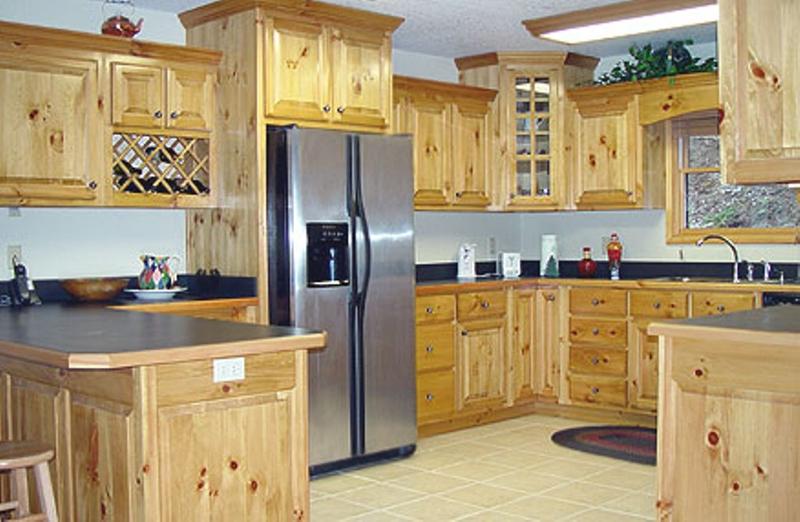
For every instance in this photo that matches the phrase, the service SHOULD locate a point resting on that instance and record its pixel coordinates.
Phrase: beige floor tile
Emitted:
(528, 481)
(621, 478)
(377, 516)
(338, 483)
(434, 509)
(334, 509)
(509, 439)
(571, 469)
(517, 459)
(384, 472)
(602, 515)
(379, 496)
(475, 470)
(585, 493)
(482, 495)
(492, 516)
(430, 460)
(542, 508)
(427, 482)
(641, 504)
(471, 450)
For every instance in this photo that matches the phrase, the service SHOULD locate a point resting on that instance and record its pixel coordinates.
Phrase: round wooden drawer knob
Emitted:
(158, 114)
(429, 397)
(326, 108)
(174, 115)
(340, 110)
(720, 308)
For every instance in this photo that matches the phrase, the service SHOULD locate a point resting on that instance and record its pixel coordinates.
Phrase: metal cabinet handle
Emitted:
(595, 331)
(458, 194)
(595, 390)
(429, 397)
(595, 361)
(326, 108)
(92, 185)
(158, 114)
(429, 349)
(174, 115)
(340, 109)
(549, 297)
(657, 305)
(720, 308)
(464, 333)
(485, 305)
(595, 301)
(429, 310)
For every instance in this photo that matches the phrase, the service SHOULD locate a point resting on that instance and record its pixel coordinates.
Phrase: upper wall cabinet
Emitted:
(92, 120)
(328, 72)
(451, 128)
(759, 90)
(528, 120)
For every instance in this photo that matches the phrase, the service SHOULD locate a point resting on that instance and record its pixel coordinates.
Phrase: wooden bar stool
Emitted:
(17, 457)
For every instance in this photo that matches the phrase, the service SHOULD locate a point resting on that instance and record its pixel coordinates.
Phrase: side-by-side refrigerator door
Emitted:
(319, 228)
(388, 331)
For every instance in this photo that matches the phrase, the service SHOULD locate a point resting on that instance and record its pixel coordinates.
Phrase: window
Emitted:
(699, 203)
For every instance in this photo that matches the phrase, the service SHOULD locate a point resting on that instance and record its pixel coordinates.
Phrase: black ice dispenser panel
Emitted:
(327, 254)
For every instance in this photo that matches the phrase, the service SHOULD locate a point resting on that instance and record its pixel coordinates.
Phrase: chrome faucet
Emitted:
(733, 249)
(767, 269)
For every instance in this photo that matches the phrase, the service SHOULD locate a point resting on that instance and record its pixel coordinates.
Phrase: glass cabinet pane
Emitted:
(543, 144)
(542, 177)
(523, 144)
(524, 125)
(523, 107)
(532, 136)
(524, 178)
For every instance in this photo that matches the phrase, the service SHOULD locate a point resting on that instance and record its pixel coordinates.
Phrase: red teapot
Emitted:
(121, 26)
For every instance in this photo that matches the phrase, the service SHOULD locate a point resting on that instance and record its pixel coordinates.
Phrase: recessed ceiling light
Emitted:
(628, 18)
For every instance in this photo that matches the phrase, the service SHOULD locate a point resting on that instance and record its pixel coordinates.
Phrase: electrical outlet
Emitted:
(14, 251)
(14, 212)
(229, 369)
(492, 247)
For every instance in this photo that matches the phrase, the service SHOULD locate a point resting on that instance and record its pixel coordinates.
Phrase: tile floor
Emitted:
(506, 471)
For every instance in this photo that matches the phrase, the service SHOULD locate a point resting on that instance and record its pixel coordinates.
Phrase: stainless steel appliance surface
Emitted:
(341, 259)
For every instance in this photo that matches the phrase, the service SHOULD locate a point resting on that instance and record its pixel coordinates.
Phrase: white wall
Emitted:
(59, 243)
(406, 63)
(438, 234)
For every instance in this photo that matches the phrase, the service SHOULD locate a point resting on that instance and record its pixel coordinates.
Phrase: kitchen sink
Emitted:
(693, 279)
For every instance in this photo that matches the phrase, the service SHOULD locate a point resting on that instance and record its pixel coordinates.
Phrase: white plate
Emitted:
(155, 295)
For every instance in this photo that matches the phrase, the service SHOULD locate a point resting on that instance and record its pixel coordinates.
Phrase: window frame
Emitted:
(704, 123)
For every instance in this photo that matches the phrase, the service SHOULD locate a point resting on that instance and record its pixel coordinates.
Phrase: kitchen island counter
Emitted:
(157, 417)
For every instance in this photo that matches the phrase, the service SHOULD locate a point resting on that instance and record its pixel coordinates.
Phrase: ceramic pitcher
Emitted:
(157, 273)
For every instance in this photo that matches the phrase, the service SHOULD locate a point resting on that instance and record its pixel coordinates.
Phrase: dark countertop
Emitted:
(86, 336)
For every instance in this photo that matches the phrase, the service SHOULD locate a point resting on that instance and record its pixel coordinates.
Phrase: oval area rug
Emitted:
(630, 443)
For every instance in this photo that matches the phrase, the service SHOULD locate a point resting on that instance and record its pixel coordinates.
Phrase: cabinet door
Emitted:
(643, 389)
(522, 359)
(481, 367)
(607, 162)
(362, 78)
(471, 156)
(190, 98)
(297, 77)
(50, 130)
(547, 348)
(759, 88)
(137, 95)
(429, 126)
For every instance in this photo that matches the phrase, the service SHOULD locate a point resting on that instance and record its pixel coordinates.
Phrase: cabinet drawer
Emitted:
(716, 303)
(474, 305)
(646, 303)
(599, 301)
(588, 330)
(605, 361)
(435, 395)
(435, 308)
(435, 346)
(597, 390)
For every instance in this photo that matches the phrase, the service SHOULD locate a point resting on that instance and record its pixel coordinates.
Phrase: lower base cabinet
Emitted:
(482, 366)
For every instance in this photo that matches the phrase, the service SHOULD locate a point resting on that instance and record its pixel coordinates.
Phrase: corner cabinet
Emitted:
(451, 128)
(97, 121)
(759, 88)
(528, 119)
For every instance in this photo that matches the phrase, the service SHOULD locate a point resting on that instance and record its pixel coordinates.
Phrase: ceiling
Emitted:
(453, 28)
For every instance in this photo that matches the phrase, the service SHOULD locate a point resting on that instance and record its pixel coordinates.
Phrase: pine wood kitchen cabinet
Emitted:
(451, 129)
(522, 360)
(759, 87)
(548, 377)
(435, 358)
(528, 120)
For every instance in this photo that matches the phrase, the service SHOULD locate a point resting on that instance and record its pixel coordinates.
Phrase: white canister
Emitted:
(548, 265)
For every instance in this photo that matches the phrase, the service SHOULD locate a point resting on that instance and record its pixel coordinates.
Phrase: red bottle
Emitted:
(587, 267)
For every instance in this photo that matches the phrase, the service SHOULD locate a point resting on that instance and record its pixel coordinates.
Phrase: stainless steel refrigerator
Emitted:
(341, 259)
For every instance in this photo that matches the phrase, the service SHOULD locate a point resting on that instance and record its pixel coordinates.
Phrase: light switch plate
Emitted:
(226, 370)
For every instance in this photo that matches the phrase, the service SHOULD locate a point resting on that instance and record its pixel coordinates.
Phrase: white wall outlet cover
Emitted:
(226, 370)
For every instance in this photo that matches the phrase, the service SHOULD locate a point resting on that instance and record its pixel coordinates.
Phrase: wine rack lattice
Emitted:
(154, 164)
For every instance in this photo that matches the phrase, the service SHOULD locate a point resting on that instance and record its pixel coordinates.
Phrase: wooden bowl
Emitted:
(94, 289)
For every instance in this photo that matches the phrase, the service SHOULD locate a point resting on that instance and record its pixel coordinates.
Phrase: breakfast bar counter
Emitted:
(160, 417)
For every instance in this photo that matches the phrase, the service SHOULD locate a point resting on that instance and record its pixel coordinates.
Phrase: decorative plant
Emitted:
(668, 60)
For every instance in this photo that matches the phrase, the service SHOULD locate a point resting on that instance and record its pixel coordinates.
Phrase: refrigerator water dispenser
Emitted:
(327, 254)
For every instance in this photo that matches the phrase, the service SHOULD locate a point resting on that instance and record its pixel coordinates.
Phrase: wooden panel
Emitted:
(652, 303)
(50, 130)
(475, 305)
(100, 437)
(604, 391)
(547, 364)
(246, 478)
(643, 357)
(589, 330)
(297, 75)
(523, 352)
(435, 308)
(188, 382)
(137, 95)
(471, 174)
(430, 123)
(679, 99)
(602, 301)
(190, 98)
(435, 347)
(362, 78)
(601, 361)
(481, 363)
(759, 85)
(715, 303)
(241, 310)
(435, 395)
